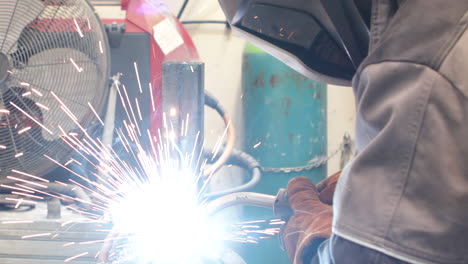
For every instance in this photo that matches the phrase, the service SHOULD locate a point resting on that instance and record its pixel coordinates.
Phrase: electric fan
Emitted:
(54, 65)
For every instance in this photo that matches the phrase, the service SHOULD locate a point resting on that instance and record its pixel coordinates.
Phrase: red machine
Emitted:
(147, 37)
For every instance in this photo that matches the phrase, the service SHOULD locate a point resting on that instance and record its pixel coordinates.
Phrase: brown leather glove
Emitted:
(326, 188)
(310, 224)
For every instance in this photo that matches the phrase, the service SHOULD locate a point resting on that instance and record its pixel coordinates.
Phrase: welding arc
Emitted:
(213, 103)
(243, 160)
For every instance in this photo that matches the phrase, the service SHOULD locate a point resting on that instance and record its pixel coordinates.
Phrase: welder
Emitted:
(404, 196)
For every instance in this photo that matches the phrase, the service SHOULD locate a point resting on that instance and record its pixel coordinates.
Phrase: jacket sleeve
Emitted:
(409, 178)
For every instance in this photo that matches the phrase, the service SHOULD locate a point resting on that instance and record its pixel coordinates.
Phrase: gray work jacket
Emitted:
(406, 191)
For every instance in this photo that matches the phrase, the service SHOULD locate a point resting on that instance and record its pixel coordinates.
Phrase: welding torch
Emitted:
(279, 203)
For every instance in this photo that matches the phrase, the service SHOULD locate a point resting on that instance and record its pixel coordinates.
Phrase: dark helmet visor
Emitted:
(296, 36)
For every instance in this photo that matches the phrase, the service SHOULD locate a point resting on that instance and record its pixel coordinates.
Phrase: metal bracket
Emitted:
(347, 150)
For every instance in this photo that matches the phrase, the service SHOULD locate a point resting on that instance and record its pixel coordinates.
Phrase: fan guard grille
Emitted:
(48, 47)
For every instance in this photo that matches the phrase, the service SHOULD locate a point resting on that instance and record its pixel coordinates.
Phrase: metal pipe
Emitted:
(109, 120)
(183, 103)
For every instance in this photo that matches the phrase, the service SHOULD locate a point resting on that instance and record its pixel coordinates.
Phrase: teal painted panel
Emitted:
(284, 117)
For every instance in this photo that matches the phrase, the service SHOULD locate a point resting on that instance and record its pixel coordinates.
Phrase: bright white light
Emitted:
(173, 112)
(172, 136)
(165, 222)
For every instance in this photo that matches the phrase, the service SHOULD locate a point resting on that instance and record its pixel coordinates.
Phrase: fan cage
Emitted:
(54, 48)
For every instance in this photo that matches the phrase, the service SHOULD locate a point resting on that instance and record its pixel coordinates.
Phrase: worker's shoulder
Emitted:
(424, 32)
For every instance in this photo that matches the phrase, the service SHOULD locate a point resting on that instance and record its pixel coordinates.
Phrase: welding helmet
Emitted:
(324, 40)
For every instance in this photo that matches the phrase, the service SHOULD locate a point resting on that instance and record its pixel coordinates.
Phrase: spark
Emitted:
(5, 111)
(36, 235)
(91, 242)
(76, 256)
(25, 84)
(30, 175)
(26, 181)
(42, 106)
(17, 222)
(18, 203)
(186, 127)
(89, 23)
(218, 144)
(138, 76)
(26, 94)
(24, 130)
(32, 118)
(131, 109)
(15, 188)
(253, 222)
(257, 145)
(67, 223)
(152, 97)
(64, 108)
(37, 191)
(78, 68)
(95, 114)
(36, 92)
(27, 195)
(100, 47)
(3, 147)
(78, 28)
(138, 108)
(61, 183)
(19, 154)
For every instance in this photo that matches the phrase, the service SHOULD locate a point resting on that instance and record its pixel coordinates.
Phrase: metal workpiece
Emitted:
(183, 101)
(53, 208)
(27, 236)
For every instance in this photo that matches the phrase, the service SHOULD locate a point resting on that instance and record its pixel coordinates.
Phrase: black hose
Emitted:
(214, 103)
(182, 9)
